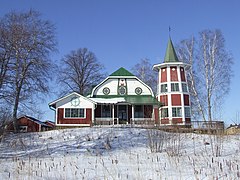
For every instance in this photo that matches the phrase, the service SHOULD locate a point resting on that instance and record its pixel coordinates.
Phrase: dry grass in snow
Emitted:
(119, 153)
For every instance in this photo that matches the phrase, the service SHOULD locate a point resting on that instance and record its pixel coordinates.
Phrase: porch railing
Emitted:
(115, 121)
(106, 121)
(142, 121)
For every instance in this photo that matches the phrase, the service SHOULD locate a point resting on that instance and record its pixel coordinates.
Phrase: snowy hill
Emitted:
(119, 153)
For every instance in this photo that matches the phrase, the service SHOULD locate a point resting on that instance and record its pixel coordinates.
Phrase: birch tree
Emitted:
(143, 70)
(210, 72)
(26, 44)
(80, 71)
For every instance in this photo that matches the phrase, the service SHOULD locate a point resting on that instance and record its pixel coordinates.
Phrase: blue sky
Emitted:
(121, 32)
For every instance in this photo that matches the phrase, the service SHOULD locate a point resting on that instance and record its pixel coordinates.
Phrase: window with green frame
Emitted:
(74, 113)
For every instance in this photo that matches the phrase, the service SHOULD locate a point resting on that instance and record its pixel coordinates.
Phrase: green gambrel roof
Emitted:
(170, 55)
(121, 72)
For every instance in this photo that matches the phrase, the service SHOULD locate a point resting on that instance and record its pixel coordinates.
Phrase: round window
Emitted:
(122, 90)
(138, 90)
(75, 101)
(106, 91)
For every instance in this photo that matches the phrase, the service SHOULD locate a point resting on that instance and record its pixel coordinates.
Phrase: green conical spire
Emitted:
(170, 55)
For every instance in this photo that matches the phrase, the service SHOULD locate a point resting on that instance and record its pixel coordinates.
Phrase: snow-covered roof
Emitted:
(73, 93)
(35, 120)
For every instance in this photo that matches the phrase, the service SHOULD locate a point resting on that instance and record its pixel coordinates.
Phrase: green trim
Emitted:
(121, 72)
(170, 55)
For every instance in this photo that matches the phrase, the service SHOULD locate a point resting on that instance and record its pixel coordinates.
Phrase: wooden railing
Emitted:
(106, 121)
(202, 126)
(142, 121)
(206, 125)
(133, 121)
(211, 127)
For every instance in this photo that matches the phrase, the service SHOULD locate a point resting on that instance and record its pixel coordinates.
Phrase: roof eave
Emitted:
(165, 64)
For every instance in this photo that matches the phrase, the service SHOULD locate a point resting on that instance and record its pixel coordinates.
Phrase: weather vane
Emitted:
(169, 31)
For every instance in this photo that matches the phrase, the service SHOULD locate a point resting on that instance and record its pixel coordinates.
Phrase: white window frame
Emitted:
(184, 90)
(163, 113)
(187, 111)
(165, 89)
(84, 115)
(174, 87)
(24, 128)
(178, 113)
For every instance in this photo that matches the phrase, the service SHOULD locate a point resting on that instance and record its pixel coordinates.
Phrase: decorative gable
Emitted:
(121, 83)
(73, 100)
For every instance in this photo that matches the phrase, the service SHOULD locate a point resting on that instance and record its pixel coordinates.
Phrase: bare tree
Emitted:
(5, 119)
(143, 70)
(27, 42)
(6, 50)
(210, 74)
(187, 50)
(80, 71)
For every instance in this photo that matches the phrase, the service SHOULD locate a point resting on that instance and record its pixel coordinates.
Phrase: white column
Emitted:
(159, 81)
(153, 113)
(181, 92)
(133, 114)
(93, 113)
(183, 109)
(170, 108)
(56, 116)
(127, 113)
(117, 115)
(169, 94)
(113, 113)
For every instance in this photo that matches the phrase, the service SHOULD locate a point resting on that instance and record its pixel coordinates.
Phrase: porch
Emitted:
(115, 114)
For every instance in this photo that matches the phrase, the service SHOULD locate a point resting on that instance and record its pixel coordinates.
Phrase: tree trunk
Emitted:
(15, 108)
(209, 107)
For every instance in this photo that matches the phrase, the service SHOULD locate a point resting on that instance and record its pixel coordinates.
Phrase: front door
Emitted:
(122, 114)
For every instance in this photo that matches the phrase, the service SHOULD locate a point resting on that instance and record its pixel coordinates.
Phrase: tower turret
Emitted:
(172, 89)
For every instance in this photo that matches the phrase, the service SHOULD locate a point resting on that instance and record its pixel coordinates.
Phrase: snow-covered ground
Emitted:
(119, 153)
